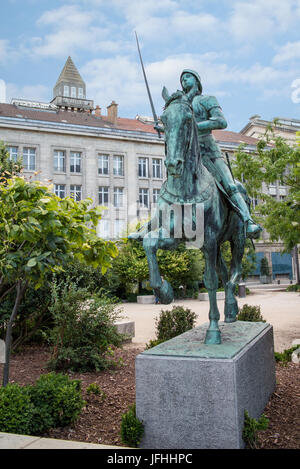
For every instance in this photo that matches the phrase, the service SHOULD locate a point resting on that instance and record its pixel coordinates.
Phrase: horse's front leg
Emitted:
(151, 243)
(213, 333)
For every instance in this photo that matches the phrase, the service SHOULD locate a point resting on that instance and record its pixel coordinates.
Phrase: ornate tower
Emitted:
(70, 91)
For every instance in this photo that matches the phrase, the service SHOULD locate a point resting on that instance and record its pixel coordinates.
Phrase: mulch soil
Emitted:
(100, 420)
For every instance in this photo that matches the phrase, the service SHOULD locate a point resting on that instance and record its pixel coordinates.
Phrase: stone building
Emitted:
(115, 161)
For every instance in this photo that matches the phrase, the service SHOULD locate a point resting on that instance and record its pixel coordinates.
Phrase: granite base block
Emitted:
(146, 299)
(191, 395)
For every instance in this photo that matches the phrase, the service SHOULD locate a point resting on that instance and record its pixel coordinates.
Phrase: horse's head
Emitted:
(178, 121)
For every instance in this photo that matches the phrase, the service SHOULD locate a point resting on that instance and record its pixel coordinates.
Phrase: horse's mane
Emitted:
(177, 96)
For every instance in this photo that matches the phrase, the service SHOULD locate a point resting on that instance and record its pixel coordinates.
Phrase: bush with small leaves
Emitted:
(57, 400)
(16, 410)
(83, 329)
(250, 313)
(93, 388)
(174, 322)
(132, 428)
(251, 428)
(285, 356)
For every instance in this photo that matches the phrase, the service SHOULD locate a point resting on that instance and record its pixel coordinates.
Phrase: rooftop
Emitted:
(85, 119)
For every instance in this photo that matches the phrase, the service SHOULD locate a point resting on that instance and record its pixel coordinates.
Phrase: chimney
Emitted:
(98, 111)
(112, 112)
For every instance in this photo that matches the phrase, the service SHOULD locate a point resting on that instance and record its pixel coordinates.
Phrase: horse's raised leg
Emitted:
(213, 334)
(151, 244)
(237, 250)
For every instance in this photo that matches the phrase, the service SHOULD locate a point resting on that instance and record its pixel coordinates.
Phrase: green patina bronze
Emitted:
(191, 344)
(198, 181)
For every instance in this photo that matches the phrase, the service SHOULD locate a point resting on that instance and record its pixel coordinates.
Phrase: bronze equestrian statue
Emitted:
(198, 177)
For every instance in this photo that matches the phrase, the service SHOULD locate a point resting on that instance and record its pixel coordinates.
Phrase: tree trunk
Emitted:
(8, 339)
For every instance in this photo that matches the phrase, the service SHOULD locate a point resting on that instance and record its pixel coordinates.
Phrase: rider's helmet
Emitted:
(195, 74)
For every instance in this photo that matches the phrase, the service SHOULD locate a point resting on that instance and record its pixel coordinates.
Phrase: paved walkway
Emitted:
(11, 441)
(279, 308)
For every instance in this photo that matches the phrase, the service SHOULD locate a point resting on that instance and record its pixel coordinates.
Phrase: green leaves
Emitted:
(40, 232)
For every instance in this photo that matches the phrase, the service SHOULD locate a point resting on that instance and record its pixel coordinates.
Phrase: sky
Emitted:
(247, 52)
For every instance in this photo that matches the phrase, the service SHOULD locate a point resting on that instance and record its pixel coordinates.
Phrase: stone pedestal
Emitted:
(146, 299)
(205, 297)
(191, 395)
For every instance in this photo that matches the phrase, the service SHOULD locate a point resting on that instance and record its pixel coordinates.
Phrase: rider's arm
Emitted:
(216, 119)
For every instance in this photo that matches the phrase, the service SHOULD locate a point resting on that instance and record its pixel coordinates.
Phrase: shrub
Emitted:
(57, 401)
(16, 410)
(132, 428)
(174, 322)
(293, 288)
(53, 401)
(250, 313)
(84, 329)
(251, 427)
(285, 356)
(93, 388)
(264, 267)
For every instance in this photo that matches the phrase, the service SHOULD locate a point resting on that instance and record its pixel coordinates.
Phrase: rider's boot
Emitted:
(253, 229)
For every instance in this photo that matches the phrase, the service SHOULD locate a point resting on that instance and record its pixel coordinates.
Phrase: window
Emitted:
(143, 167)
(118, 166)
(155, 195)
(60, 190)
(103, 195)
(73, 92)
(103, 228)
(75, 162)
(103, 166)
(144, 198)
(157, 168)
(13, 153)
(118, 228)
(59, 160)
(80, 93)
(66, 91)
(76, 192)
(29, 158)
(118, 197)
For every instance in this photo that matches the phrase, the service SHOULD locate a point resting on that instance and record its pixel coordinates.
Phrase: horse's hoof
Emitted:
(230, 319)
(165, 293)
(213, 337)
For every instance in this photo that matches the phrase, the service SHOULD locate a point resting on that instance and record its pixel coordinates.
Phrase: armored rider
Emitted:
(209, 116)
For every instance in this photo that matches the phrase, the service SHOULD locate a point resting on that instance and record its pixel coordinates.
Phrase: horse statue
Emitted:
(190, 185)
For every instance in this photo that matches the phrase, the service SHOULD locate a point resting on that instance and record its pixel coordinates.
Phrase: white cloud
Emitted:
(73, 30)
(32, 92)
(255, 19)
(117, 78)
(290, 51)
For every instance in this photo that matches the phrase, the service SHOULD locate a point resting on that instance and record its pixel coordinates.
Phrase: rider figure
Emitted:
(209, 116)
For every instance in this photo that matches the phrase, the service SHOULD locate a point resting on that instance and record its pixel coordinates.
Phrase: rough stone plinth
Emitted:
(204, 296)
(191, 395)
(146, 299)
(126, 328)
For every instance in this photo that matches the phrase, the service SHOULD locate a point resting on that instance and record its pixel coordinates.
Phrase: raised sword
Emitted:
(147, 86)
